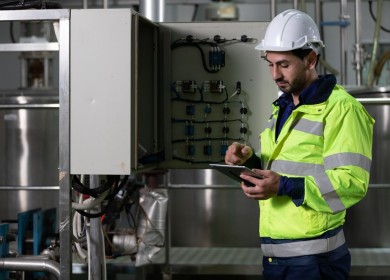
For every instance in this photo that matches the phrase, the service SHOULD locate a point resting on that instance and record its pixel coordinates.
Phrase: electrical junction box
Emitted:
(113, 90)
(162, 95)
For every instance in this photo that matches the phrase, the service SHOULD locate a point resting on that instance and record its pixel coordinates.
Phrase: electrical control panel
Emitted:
(220, 90)
(166, 95)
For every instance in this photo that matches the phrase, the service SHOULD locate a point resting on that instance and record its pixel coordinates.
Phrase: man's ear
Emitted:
(311, 59)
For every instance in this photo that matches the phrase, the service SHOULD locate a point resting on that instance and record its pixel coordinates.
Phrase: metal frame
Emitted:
(62, 16)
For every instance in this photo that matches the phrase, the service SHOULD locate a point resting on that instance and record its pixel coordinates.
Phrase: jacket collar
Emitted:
(317, 92)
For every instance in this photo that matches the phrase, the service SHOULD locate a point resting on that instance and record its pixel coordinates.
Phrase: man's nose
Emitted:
(276, 74)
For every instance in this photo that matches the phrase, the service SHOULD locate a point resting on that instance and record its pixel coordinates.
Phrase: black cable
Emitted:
(78, 186)
(374, 18)
(11, 31)
(201, 100)
(204, 122)
(206, 139)
(108, 206)
(196, 45)
(196, 8)
(28, 4)
(195, 161)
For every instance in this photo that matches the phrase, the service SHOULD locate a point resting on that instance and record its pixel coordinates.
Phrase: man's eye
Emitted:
(284, 65)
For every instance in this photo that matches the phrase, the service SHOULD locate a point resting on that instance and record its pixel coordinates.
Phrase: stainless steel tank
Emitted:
(29, 152)
(367, 222)
(206, 211)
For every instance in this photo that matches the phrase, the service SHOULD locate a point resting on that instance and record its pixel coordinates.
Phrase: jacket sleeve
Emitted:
(292, 187)
(254, 162)
(347, 154)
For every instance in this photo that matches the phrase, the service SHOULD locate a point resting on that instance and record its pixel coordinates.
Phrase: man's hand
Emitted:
(237, 154)
(264, 188)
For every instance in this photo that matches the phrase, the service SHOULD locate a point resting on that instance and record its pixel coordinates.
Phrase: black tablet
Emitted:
(234, 172)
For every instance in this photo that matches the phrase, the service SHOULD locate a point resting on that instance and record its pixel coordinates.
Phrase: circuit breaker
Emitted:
(166, 95)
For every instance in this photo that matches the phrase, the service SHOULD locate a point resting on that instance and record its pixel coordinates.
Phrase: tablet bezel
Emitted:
(234, 172)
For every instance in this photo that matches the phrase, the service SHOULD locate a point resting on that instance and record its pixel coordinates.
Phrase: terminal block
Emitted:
(213, 86)
(186, 86)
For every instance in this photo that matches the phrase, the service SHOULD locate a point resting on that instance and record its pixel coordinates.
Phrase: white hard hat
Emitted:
(290, 30)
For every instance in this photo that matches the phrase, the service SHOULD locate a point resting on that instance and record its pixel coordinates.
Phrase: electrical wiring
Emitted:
(77, 241)
(195, 140)
(77, 233)
(28, 4)
(201, 99)
(87, 232)
(111, 197)
(202, 54)
(217, 55)
(189, 41)
(79, 186)
(206, 139)
(374, 18)
(85, 255)
(190, 161)
(11, 32)
(107, 238)
(195, 13)
(175, 120)
(90, 203)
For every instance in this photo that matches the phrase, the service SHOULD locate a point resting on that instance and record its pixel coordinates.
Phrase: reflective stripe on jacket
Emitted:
(303, 247)
(329, 145)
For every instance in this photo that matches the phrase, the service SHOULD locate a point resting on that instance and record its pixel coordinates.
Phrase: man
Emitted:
(315, 155)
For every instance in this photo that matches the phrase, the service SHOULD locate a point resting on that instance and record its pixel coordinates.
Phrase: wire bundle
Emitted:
(28, 4)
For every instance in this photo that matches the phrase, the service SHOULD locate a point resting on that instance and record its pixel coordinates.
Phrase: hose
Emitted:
(90, 203)
(370, 78)
(379, 67)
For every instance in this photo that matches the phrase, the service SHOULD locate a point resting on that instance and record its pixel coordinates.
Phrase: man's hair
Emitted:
(301, 53)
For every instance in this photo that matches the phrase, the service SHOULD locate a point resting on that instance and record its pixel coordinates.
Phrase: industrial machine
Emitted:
(124, 143)
(191, 97)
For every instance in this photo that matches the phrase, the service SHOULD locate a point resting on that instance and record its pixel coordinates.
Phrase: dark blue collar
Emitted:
(316, 92)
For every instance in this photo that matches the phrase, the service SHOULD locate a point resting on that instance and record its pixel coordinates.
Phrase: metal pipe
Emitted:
(317, 12)
(370, 78)
(358, 48)
(29, 188)
(153, 9)
(367, 100)
(95, 249)
(379, 186)
(343, 39)
(273, 9)
(64, 151)
(30, 264)
(28, 106)
(303, 6)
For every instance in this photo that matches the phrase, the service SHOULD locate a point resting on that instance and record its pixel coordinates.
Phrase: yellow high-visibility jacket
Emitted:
(329, 145)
